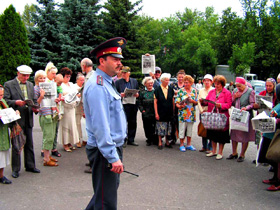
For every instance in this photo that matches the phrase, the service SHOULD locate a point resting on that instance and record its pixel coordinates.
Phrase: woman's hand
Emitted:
(17, 112)
(218, 105)
(42, 93)
(256, 106)
(236, 95)
(243, 109)
(122, 95)
(157, 117)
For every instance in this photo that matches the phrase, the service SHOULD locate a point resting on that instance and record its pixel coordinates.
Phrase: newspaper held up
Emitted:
(129, 96)
(8, 115)
(265, 103)
(239, 120)
(50, 94)
(263, 123)
(148, 64)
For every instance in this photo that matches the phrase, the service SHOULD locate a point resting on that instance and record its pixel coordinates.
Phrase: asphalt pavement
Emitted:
(168, 179)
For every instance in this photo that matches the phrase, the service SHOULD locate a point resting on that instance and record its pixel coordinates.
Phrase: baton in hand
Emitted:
(110, 166)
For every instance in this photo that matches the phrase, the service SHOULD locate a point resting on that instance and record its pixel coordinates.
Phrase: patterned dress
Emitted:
(188, 113)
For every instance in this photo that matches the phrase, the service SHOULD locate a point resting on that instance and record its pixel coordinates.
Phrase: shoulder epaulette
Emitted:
(99, 80)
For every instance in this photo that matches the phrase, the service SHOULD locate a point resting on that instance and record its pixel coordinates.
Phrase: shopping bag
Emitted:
(213, 121)
(201, 131)
(273, 152)
(18, 138)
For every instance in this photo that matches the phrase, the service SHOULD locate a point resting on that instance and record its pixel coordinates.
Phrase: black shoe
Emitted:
(240, 159)
(4, 180)
(160, 147)
(168, 146)
(15, 174)
(230, 157)
(88, 171)
(124, 144)
(42, 154)
(87, 164)
(148, 144)
(33, 170)
(132, 143)
(254, 161)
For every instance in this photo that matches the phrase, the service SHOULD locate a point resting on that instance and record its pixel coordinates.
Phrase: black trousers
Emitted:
(29, 160)
(131, 117)
(149, 129)
(105, 182)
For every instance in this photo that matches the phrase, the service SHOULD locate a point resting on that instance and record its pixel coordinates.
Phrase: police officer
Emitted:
(106, 125)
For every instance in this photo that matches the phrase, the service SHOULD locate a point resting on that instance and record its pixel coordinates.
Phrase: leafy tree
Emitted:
(27, 16)
(80, 31)
(14, 50)
(44, 36)
(242, 58)
(119, 18)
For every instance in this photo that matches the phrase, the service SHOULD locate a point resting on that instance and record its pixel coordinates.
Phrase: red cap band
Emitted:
(110, 50)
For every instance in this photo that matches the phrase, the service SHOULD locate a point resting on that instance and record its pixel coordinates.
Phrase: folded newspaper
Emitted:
(29, 102)
(263, 123)
(129, 96)
(8, 115)
(239, 120)
(265, 103)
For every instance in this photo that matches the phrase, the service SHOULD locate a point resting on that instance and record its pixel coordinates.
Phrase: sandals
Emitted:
(182, 149)
(50, 163)
(79, 145)
(56, 153)
(52, 159)
(67, 149)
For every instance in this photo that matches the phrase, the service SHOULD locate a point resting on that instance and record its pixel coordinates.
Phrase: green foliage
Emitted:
(80, 30)
(44, 36)
(14, 50)
(119, 17)
(242, 58)
(27, 16)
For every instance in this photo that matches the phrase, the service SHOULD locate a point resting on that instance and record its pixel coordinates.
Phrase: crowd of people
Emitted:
(168, 111)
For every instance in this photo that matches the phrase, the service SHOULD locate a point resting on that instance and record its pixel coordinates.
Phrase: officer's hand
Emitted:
(117, 167)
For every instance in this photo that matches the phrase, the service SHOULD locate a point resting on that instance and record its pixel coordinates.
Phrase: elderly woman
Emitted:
(267, 138)
(222, 98)
(270, 86)
(164, 107)
(68, 132)
(46, 120)
(185, 102)
(80, 79)
(146, 107)
(4, 141)
(244, 99)
(207, 81)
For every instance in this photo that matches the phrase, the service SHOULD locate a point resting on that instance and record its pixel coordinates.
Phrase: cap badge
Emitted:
(121, 42)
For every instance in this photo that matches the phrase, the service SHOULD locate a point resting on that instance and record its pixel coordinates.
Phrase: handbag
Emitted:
(273, 152)
(201, 131)
(18, 138)
(214, 121)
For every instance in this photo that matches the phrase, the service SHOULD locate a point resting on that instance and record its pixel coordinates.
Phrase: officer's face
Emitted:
(111, 65)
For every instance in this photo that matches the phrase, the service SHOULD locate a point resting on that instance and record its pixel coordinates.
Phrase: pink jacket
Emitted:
(225, 99)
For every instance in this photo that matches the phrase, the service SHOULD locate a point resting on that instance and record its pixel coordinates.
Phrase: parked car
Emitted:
(173, 80)
(258, 86)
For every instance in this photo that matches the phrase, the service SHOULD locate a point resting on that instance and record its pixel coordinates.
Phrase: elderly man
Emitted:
(86, 66)
(129, 108)
(157, 77)
(16, 92)
(106, 125)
